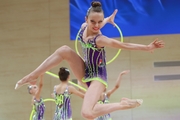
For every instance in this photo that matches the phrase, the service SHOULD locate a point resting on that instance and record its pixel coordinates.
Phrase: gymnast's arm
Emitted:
(110, 92)
(54, 91)
(73, 90)
(102, 41)
(110, 19)
(37, 96)
(106, 20)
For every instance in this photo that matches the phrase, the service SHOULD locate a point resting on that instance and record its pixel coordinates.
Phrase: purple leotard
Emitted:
(95, 60)
(39, 109)
(63, 106)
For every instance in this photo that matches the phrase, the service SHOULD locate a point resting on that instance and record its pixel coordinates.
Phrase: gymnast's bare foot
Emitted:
(24, 81)
(132, 102)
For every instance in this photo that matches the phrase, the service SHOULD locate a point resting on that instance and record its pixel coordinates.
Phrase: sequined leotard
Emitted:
(39, 109)
(63, 106)
(95, 60)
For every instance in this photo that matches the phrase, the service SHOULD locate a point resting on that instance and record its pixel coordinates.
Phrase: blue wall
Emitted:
(134, 17)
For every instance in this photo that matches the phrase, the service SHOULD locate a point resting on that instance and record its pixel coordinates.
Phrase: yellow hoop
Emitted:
(121, 35)
(56, 76)
(50, 99)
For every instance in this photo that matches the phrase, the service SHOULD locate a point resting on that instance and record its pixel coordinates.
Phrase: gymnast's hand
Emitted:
(124, 72)
(111, 18)
(156, 44)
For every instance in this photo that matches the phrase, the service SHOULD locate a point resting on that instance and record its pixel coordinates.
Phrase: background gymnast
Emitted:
(62, 94)
(37, 101)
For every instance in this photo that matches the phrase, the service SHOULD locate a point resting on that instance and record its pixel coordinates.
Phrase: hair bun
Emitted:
(62, 70)
(96, 4)
(63, 73)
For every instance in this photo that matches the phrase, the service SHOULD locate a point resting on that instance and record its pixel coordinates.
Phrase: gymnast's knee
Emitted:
(87, 115)
(63, 50)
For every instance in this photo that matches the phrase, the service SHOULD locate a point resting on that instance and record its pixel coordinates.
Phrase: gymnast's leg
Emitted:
(63, 53)
(91, 109)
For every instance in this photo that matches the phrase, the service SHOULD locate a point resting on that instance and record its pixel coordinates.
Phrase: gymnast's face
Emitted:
(94, 21)
(34, 89)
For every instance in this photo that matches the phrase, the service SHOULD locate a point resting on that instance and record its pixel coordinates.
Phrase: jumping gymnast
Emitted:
(91, 69)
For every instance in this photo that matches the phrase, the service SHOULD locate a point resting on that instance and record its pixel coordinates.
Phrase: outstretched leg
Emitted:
(91, 109)
(102, 109)
(63, 53)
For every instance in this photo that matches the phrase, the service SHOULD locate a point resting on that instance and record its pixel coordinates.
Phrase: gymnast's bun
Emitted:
(62, 70)
(95, 7)
(63, 73)
(95, 4)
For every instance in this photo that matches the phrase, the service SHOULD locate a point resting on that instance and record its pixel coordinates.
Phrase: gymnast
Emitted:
(92, 68)
(37, 101)
(62, 94)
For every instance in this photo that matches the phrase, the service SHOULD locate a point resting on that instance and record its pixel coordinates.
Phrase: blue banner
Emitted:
(134, 17)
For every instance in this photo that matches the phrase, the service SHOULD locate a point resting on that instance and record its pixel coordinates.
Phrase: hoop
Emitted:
(56, 76)
(110, 61)
(50, 99)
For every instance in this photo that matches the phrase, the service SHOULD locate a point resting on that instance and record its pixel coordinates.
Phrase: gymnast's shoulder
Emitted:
(83, 25)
